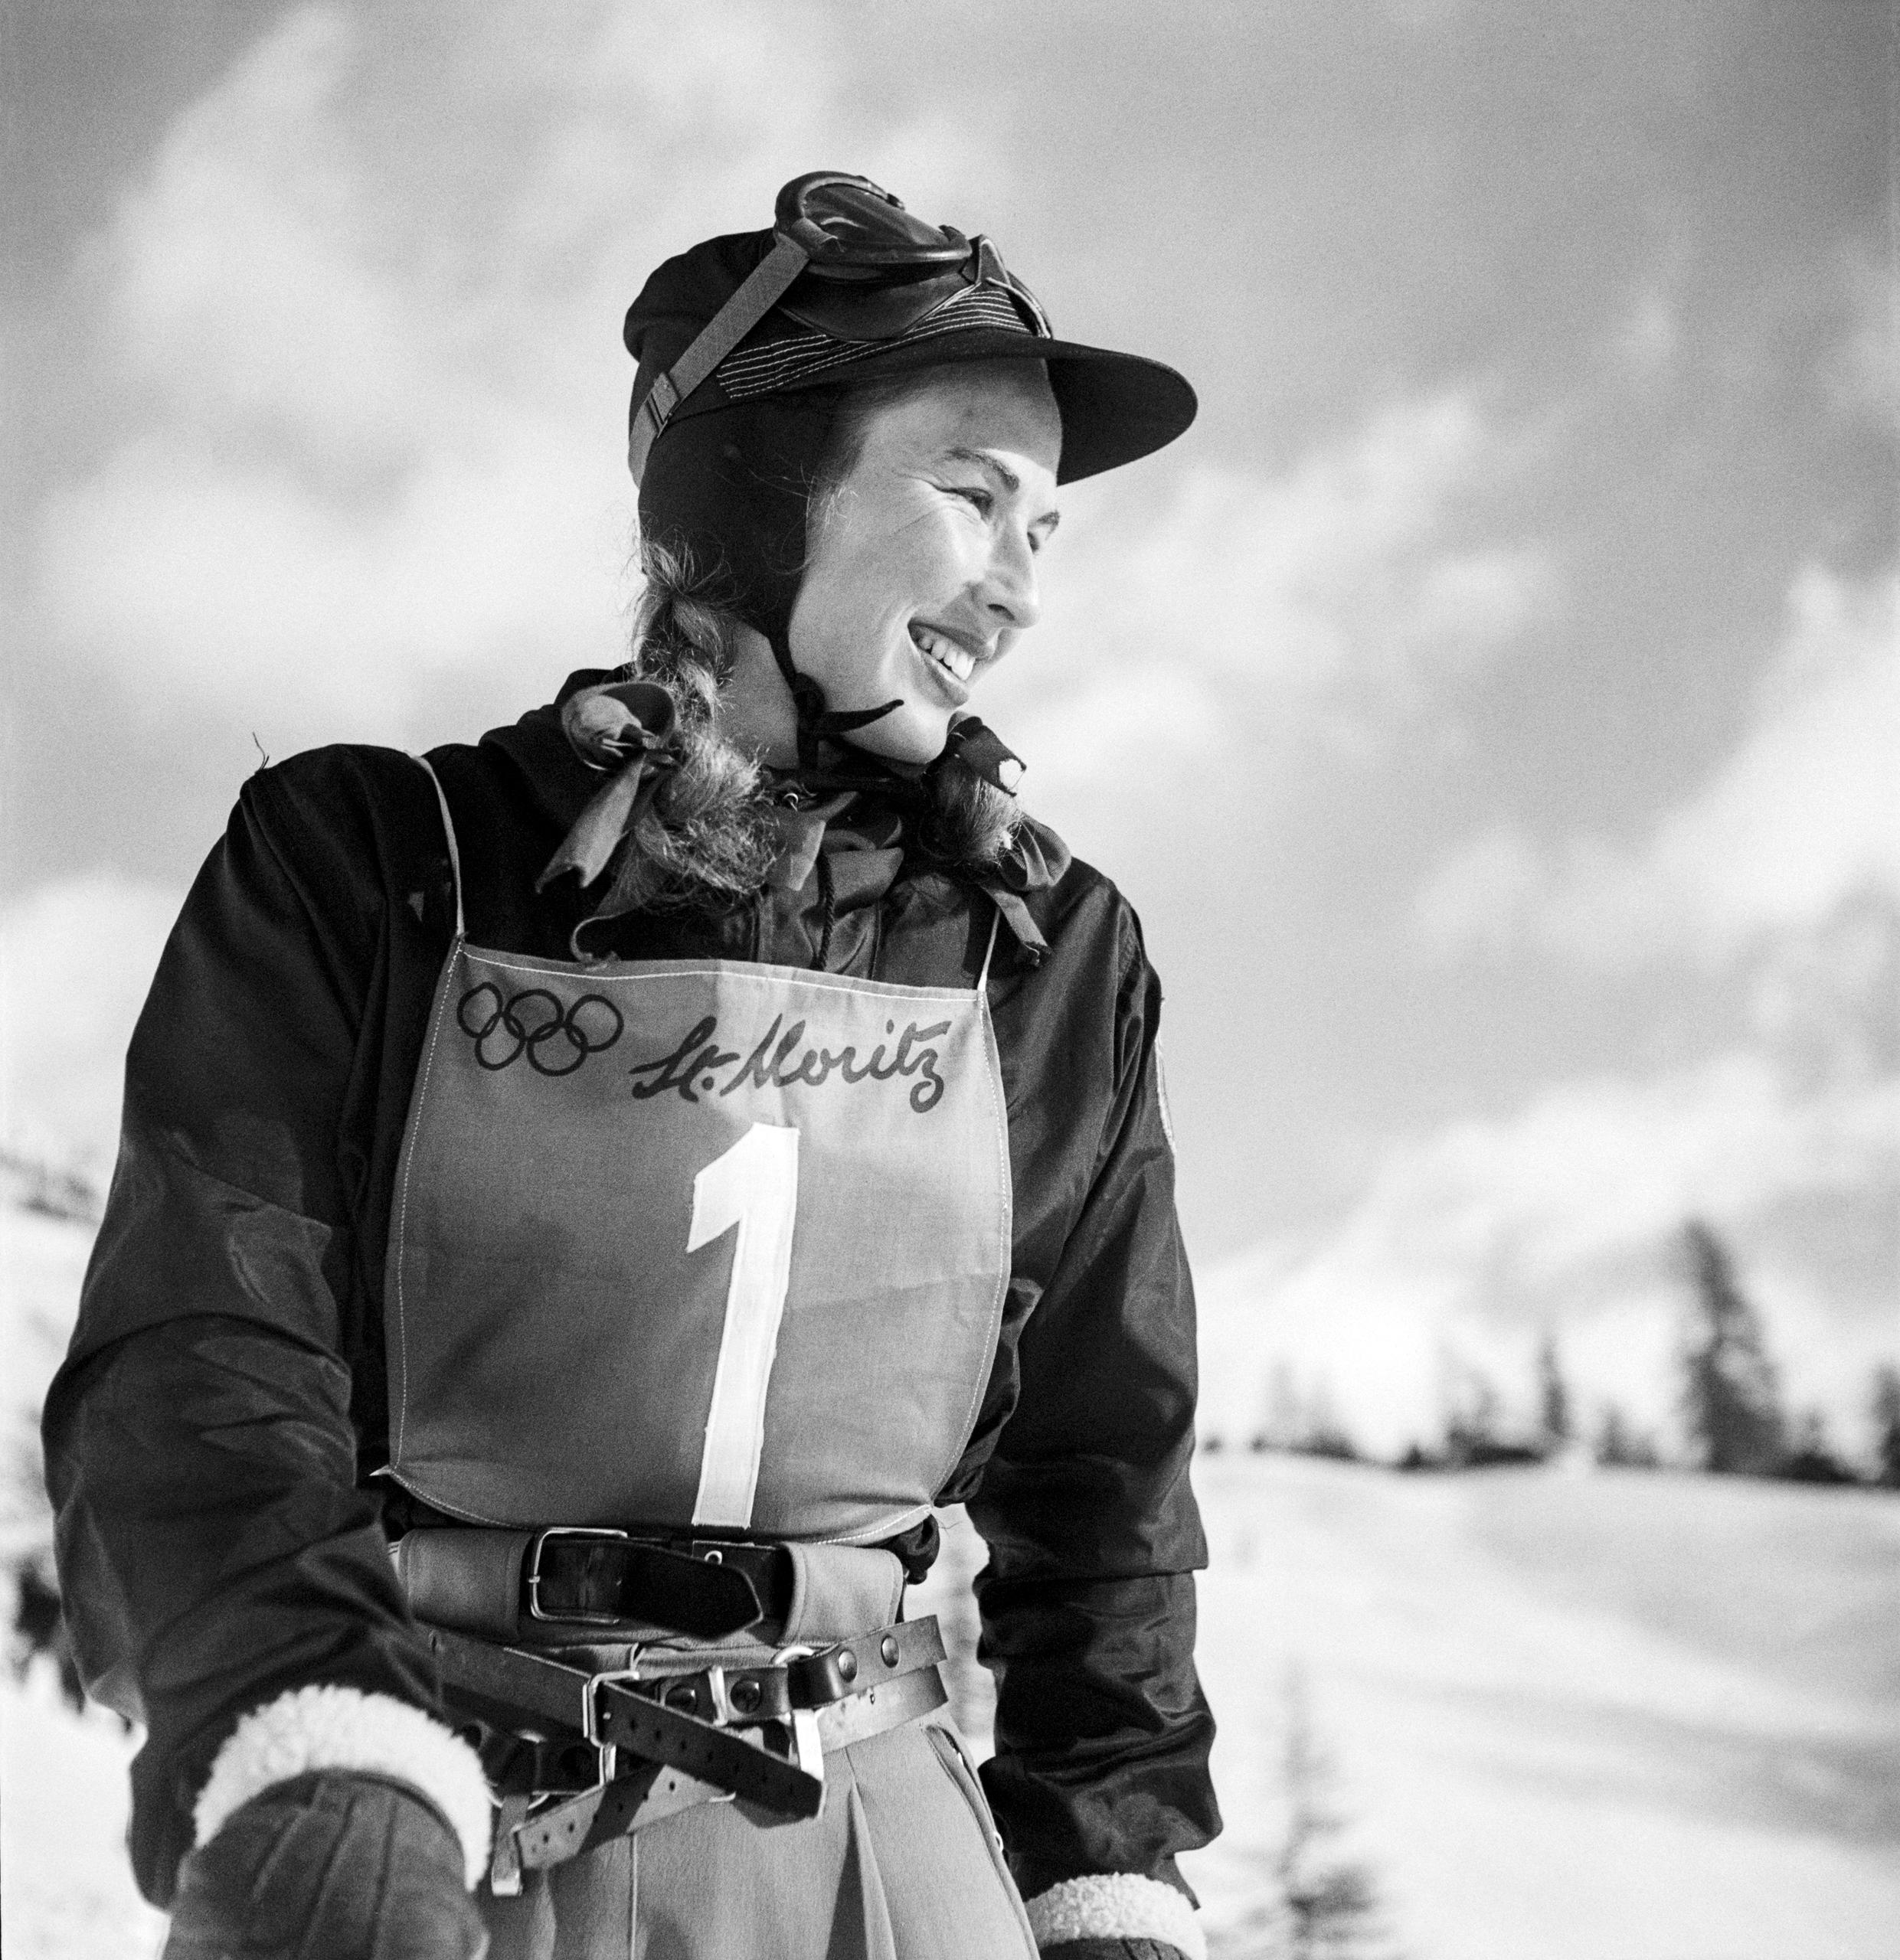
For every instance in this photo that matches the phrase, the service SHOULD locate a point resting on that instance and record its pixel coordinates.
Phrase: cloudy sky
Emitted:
(1491, 706)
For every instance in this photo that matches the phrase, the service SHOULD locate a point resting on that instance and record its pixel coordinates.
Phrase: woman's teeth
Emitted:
(945, 653)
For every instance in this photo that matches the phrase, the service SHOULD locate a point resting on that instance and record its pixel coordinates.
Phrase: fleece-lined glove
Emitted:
(332, 1865)
(1115, 1915)
(1112, 1949)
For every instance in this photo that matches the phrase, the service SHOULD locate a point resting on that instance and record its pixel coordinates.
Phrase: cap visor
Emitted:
(1115, 407)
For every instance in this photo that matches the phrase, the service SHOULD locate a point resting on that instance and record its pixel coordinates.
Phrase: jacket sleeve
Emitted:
(1088, 1602)
(215, 1551)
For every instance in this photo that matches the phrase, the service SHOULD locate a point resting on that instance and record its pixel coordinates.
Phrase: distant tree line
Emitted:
(1735, 1420)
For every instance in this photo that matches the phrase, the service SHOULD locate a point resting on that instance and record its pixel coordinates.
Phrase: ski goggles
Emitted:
(868, 273)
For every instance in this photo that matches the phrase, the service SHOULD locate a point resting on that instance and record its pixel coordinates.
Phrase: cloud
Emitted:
(1775, 881)
(1648, 339)
(236, 585)
(1863, 375)
(363, 367)
(365, 394)
(1778, 874)
(1800, 821)
(1470, 1242)
(1324, 601)
(77, 959)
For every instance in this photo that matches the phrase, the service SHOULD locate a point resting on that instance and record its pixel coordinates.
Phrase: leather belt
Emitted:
(706, 1587)
(700, 1736)
(500, 1583)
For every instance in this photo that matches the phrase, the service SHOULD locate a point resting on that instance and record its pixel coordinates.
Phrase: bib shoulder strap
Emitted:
(455, 856)
(983, 978)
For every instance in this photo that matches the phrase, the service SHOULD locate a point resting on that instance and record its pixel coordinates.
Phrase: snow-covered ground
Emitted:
(1628, 1715)
(1617, 1716)
(66, 1889)
(1624, 1716)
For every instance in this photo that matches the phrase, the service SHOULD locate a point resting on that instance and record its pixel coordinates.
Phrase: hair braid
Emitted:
(709, 838)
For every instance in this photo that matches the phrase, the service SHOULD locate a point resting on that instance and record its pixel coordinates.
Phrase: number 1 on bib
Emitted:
(754, 1187)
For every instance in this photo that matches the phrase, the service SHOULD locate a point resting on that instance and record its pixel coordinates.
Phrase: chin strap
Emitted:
(816, 723)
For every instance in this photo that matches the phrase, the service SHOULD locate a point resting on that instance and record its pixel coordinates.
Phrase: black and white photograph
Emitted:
(949, 980)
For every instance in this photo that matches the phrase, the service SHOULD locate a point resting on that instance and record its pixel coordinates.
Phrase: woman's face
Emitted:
(922, 567)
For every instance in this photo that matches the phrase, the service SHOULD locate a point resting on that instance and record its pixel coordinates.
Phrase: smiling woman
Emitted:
(922, 571)
(634, 1168)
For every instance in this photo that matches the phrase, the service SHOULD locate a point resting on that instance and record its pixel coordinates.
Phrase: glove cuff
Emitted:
(1117, 1905)
(329, 1727)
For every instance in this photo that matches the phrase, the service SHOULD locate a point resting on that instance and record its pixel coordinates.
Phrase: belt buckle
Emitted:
(590, 1701)
(605, 1533)
(808, 1743)
(591, 1716)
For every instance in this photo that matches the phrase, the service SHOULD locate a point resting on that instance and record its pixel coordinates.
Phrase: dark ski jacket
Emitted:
(214, 1439)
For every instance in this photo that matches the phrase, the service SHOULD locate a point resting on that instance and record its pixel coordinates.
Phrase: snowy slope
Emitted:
(67, 1892)
(1621, 1716)
(42, 1260)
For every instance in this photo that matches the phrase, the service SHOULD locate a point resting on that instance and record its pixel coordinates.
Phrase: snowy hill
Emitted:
(1624, 1715)
(47, 1222)
(68, 1893)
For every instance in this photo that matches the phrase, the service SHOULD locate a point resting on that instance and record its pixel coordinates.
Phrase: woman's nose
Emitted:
(1011, 595)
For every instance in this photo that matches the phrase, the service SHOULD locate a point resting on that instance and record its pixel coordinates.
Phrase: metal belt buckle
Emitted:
(807, 1745)
(723, 1714)
(603, 1532)
(590, 1699)
(591, 1717)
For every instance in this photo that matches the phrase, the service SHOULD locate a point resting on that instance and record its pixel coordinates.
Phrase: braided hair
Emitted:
(709, 838)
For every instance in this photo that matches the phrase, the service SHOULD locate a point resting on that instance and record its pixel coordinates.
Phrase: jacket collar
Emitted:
(869, 831)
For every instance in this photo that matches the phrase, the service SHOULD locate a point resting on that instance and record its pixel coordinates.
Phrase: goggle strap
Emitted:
(763, 287)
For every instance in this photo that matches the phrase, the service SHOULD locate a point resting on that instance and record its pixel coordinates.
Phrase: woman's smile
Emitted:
(956, 666)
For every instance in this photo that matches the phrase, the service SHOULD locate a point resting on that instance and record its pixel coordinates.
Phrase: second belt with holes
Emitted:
(759, 1733)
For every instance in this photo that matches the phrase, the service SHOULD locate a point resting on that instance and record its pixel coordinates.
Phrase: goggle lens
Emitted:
(875, 269)
(851, 228)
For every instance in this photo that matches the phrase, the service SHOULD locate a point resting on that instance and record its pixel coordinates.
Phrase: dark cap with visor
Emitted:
(848, 284)
(746, 343)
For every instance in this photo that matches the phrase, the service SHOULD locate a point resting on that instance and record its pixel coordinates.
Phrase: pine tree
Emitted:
(1324, 1433)
(1621, 1444)
(1886, 1414)
(1553, 1395)
(1731, 1405)
(1331, 1902)
(1284, 1418)
(1475, 1415)
(1810, 1459)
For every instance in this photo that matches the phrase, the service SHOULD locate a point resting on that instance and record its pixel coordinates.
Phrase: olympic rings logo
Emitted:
(555, 1039)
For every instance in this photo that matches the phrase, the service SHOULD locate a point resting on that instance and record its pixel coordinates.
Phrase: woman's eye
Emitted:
(982, 500)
